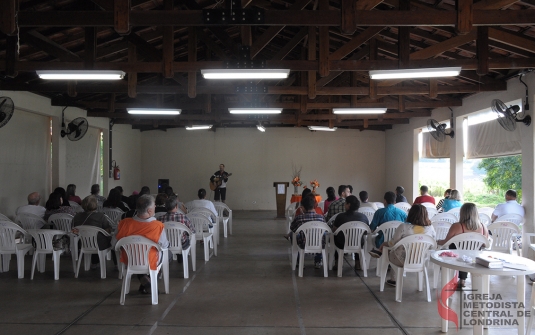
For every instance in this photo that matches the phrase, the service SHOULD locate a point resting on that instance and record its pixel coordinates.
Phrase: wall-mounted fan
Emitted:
(507, 116)
(6, 110)
(438, 130)
(76, 129)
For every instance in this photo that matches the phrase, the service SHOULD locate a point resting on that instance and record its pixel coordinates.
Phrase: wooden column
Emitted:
(324, 43)
(168, 47)
(349, 17)
(121, 16)
(482, 45)
(311, 56)
(464, 16)
(7, 17)
(192, 57)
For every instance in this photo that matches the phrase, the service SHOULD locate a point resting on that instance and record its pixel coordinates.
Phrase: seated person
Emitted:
(202, 202)
(95, 190)
(309, 214)
(133, 198)
(424, 196)
(363, 195)
(509, 207)
(160, 202)
(90, 217)
(417, 223)
(144, 224)
(454, 201)
(33, 206)
(331, 196)
(71, 190)
(63, 194)
(123, 198)
(338, 206)
(300, 209)
(173, 214)
(468, 223)
(54, 205)
(382, 215)
(114, 200)
(399, 194)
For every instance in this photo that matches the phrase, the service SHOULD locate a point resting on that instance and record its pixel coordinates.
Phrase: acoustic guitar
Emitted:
(217, 182)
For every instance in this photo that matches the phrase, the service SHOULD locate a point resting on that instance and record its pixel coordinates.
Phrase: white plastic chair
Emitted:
(88, 236)
(202, 233)
(368, 211)
(502, 236)
(331, 220)
(174, 232)
(484, 219)
(137, 251)
(486, 210)
(290, 211)
(63, 221)
(448, 217)
(314, 233)
(416, 250)
(43, 240)
(159, 214)
(4, 218)
(355, 242)
(431, 212)
(379, 204)
(114, 214)
(441, 229)
(30, 221)
(464, 241)
(226, 220)
(428, 205)
(214, 218)
(404, 206)
(514, 218)
(456, 212)
(9, 246)
(388, 228)
(77, 208)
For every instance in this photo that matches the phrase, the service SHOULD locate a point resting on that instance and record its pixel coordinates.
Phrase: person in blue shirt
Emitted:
(453, 201)
(382, 215)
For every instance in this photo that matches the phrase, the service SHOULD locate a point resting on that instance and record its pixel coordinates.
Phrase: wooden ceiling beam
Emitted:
(211, 44)
(288, 47)
(355, 43)
(90, 50)
(121, 16)
(464, 16)
(8, 20)
(36, 39)
(273, 18)
(512, 39)
(482, 51)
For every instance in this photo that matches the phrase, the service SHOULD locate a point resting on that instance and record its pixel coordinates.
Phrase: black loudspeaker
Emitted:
(162, 184)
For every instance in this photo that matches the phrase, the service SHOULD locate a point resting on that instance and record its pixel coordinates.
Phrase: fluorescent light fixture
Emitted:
(153, 111)
(321, 128)
(415, 73)
(80, 74)
(261, 128)
(199, 127)
(255, 110)
(245, 73)
(359, 110)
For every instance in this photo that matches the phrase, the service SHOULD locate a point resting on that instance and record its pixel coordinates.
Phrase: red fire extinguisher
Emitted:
(116, 172)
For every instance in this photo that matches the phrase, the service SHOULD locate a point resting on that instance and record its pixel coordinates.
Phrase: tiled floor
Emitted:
(249, 288)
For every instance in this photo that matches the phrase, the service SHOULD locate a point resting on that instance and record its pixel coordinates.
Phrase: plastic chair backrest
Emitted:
(4, 218)
(416, 248)
(485, 219)
(331, 220)
(62, 221)
(30, 221)
(137, 249)
(514, 218)
(174, 232)
(221, 208)
(486, 210)
(428, 205)
(114, 214)
(43, 238)
(431, 212)
(404, 206)
(368, 211)
(468, 241)
(448, 217)
(159, 214)
(88, 236)
(313, 231)
(441, 229)
(201, 224)
(8, 231)
(204, 210)
(77, 208)
(379, 205)
(353, 232)
(502, 234)
(388, 228)
(455, 212)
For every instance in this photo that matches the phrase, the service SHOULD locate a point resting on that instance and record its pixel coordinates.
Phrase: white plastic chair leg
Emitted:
(426, 276)
(340, 262)
(102, 259)
(301, 262)
(384, 269)
(399, 283)
(206, 249)
(119, 264)
(230, 222)
(34, 263)
(165, 272)
(77, 271)
(56, 258)
(225, 226)
(420, 281)
(20, 263)
(123, 289)
(5, 262)
(193, 251)
(325, 256)
(154, 286)
(185, 263)
(363, 264)
(378, 268)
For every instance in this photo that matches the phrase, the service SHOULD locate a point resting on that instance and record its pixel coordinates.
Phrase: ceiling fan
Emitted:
(438, 130)
(6, 110)
(508, 116)
(76, 129)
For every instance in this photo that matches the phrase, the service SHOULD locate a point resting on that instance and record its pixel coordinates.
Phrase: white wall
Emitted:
(189, 158)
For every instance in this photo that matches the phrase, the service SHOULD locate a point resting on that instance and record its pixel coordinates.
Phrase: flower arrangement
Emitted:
(296, 178)
(315, 184)
(296, 181)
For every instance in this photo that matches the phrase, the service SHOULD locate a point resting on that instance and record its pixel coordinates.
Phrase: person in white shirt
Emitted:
(509, 207)
(33, 206)
(202, 202)
(363, 195)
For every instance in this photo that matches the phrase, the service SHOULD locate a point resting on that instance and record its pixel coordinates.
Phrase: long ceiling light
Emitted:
(153, 111)
(321, 128)
(359, 110)
(199, 127)
(255, 110)
(245, 73)
(80, 74)
(415, 73)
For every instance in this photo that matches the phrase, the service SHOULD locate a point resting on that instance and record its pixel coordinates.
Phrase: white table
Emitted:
(480, 276)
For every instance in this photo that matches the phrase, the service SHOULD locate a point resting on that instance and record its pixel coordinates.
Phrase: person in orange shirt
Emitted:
(144, 224)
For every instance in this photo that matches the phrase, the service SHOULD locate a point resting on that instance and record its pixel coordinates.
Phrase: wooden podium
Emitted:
(280, 195)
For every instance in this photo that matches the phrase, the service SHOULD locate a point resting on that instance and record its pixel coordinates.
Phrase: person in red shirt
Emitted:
(424, 197)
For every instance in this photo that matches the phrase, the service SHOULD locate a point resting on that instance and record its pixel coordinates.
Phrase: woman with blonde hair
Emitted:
(468, 223)
(417, 223)
(453, 201)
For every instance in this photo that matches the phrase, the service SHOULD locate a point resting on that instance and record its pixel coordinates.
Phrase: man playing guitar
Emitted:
(218, 183)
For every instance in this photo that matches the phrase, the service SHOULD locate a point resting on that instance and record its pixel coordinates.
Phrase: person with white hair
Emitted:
(33, 206)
